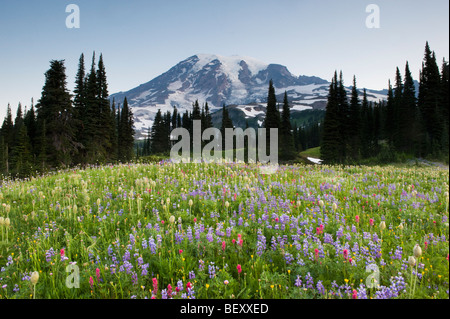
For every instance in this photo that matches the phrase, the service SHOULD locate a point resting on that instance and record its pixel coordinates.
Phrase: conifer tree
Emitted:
(330, 148)
(105, 130)
(226, 123)
(55, 107)
(407, 122)
(30, 123)
(93, 149)
(286, 136)
(428, 102)
(343, 115)
(354, 124)
(126, 133)
(158, 134)
(272, 119)
(22, 153)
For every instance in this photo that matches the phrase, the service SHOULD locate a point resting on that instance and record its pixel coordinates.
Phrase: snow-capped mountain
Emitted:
(219, 80)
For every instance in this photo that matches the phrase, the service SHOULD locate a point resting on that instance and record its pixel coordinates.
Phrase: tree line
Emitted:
(158, 140)
(65, 129)
(408, 123)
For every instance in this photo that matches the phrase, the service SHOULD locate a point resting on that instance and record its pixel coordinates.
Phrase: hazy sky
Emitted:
(142, 39)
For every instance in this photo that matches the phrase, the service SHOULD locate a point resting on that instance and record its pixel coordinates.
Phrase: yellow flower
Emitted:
(346, 280)
(271, 286)
(207, 286)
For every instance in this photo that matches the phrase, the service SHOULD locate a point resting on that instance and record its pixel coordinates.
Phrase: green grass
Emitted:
(312, 152)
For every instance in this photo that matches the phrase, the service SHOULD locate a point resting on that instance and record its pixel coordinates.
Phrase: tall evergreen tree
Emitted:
(93, 148)
(79, 105)
(226, 123)
(343, 115)
(272, 119)
(428, 102)
(354, 124)
(390, 124)
(55, 107)
(105, 130)
(158, 138)
(30, 123)
(408, 122)
(287, 146)
(126, 133)
(22, 153)
(208, 118)
(330, 148)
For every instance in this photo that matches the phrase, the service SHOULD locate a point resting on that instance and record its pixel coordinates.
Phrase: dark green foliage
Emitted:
(272, 119)
(354, 125)
(55, 106)
(403, 126)
(61, 132)
(286, 138)
(332, 141)
(226, 123)
(125, 133)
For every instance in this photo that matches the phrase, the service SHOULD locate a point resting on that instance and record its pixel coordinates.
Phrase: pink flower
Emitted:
(180, 251)
(239, 268)
(357, 218)
(223, 245)
(233, 241)
(91, 281)
(195, 219)
(276, 219)
(62, 252)
(240, 242)
(345, 252)
(426, 245)
(169, 291)
(155, 286)
(162, 222)
(355, 294)
(235, 196)
(188, 285)
(316, 252)
(97, 272)
(371, 222)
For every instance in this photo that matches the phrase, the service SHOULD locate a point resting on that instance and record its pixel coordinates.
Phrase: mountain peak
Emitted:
(220, 80)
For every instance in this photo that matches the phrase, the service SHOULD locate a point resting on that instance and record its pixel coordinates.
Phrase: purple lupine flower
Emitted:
(144, 269)
(320, 288)
(298, 281)
(126, 256)
(309, 281)
(179, 286)
(152, 244)
(189, 234)
(211, 270)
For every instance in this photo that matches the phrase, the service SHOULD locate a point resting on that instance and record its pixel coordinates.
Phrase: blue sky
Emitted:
(140, 40)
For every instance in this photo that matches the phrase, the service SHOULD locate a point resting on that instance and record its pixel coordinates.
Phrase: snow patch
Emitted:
(315, 160)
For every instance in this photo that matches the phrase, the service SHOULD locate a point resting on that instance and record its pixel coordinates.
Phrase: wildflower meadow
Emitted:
(211, 231)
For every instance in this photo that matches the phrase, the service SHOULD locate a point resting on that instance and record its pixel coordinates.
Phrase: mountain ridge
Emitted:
(230, 80)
